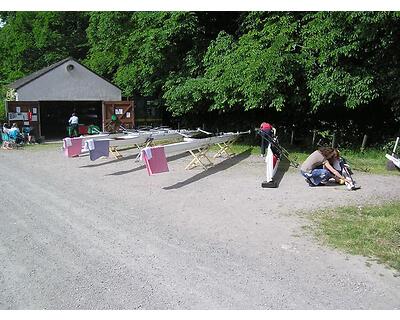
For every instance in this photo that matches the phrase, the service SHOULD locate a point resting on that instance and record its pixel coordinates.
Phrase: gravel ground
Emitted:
(76, 234)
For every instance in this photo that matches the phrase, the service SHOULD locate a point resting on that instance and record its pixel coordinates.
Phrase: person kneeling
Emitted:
(318, 169)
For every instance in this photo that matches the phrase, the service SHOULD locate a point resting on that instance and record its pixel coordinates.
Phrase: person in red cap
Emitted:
(266, 131)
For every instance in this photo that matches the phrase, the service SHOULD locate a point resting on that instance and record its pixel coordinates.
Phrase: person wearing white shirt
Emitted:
(73, 123)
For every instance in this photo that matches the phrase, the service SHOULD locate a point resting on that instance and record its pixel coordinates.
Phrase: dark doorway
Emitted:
(54, 116)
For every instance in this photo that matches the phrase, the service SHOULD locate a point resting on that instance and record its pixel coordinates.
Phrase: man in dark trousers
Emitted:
(266, 131)
(73, 125)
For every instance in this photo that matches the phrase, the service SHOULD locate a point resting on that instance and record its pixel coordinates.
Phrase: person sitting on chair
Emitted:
(15, 134)
(6, 128)
(318, 168)
(5, 138)
(26, 130)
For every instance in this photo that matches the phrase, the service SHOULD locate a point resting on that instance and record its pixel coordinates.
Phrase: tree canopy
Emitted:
(198, 62)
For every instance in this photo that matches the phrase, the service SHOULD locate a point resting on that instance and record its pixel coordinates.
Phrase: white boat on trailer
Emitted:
(138, 139)
(198, 148)
(193, 143)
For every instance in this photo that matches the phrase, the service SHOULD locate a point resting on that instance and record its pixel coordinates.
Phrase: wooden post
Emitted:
(364, 142)
(292, 137)
(314, 137)
(333, 140)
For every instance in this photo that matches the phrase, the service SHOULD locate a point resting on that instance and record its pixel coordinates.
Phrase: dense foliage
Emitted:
(296, 65)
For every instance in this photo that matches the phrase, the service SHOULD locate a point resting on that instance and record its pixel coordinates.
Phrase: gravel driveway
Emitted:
(76, 234)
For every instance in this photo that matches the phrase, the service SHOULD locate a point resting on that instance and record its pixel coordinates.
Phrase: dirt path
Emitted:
(76, 234)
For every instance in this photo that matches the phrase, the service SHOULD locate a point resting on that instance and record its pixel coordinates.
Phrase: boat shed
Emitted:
(46, 99)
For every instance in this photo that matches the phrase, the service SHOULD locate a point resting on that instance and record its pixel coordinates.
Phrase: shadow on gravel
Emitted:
(215, 169)
(133, 156)
(109, 162)
(282, 169)
(119, 173)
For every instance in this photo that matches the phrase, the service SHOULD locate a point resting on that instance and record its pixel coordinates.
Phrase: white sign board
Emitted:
(17, 116)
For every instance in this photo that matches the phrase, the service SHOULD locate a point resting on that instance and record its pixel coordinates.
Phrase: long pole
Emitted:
(395, 146)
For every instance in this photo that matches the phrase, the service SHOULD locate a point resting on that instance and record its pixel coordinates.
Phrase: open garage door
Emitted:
(54, 116)
(116, 114)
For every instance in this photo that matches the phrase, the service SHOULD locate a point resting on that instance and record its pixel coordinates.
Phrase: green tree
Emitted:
(158, 45)
(30, 41)
(349, 57)
(107, 34)
(259, 69)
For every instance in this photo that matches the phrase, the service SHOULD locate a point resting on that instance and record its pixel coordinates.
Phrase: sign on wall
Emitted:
(18, 116)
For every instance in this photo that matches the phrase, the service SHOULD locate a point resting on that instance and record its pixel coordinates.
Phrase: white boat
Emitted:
(198, 148)
(140, 138)
(392, 157)
(395, 161)
(271, 166)
(193, 144)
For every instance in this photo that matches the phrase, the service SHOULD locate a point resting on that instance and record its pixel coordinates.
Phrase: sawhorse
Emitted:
(197, 158)
(115, 152)
(225, 148)
(147, 143)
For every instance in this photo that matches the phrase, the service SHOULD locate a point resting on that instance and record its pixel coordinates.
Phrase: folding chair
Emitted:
(6, 140)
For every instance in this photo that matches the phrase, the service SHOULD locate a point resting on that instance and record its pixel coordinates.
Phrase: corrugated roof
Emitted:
(23, 81)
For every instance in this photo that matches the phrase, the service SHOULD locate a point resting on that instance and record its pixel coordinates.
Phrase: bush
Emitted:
(388, 147)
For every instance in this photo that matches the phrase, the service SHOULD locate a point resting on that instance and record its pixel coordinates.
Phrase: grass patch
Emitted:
(370, 160)
(371, 231)
(239, 148)
(42, 146)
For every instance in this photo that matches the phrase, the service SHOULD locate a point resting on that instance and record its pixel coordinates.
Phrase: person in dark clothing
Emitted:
(266, 131)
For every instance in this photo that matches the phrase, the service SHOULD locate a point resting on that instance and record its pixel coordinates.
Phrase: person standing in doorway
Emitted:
(73, 125)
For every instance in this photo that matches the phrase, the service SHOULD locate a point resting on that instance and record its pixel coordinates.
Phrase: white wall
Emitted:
(60, 84)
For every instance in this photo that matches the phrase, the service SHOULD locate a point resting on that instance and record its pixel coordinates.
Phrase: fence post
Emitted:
(333, 140)
(314, 136)
(292, 137)
(364, 142)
